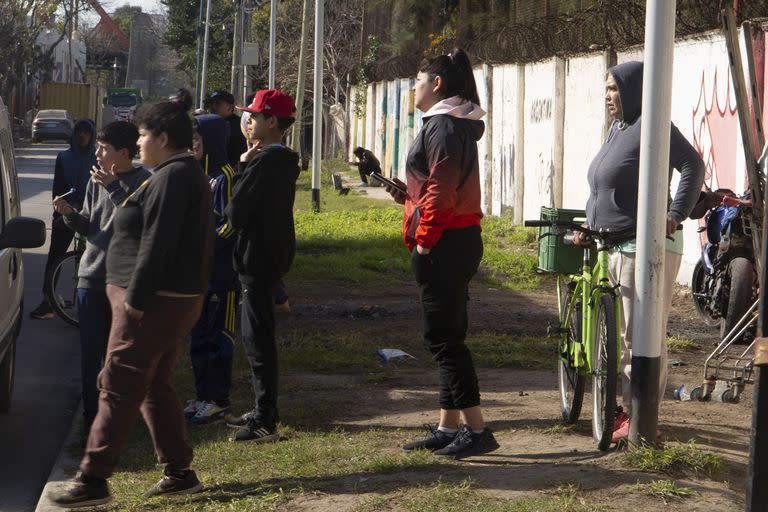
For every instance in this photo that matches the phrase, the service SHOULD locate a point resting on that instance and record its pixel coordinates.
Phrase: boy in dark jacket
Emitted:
(223, 104)
(212, 337)
(261, 213)
(366, 163)
(72, 171)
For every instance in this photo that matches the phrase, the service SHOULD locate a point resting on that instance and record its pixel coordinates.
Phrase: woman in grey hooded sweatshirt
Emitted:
(612, 206)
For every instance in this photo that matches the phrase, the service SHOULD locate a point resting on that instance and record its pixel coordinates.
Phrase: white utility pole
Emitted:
(272, 38)
(300, 86)
(652, 209)
(204, 72)
(317, 111)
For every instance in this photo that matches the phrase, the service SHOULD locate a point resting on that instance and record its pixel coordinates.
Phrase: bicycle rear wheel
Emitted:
(605, 373)
(570, 379)
(63, 287)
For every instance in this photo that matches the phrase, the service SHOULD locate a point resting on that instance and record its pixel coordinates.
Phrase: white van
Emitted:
(16, 233)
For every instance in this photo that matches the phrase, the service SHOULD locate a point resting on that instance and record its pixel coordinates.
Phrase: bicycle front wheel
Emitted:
(605, 372)
(63, 287)
(570, 379)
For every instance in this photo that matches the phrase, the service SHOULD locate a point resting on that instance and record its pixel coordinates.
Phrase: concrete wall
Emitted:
(547, 120)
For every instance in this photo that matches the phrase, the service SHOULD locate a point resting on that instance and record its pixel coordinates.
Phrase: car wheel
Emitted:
(7, 368)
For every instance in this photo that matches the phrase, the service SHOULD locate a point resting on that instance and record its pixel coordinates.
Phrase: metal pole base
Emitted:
(757, 491)
(646, 372)
(316, 200)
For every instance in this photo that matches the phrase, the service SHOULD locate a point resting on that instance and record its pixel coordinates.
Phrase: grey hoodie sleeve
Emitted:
(80, 221)
(684, 158)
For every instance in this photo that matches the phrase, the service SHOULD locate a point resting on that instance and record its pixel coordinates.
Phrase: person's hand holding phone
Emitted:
(103, 177)
(396, 194)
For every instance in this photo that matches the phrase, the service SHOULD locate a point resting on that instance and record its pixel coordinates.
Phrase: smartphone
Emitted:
(386, 181)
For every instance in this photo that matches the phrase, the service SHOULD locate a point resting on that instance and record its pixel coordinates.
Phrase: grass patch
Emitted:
(675, 459)
(677, 344)
(252, 477)
(462, 497)
(351, 351)
(358, 239)
(667, 490)
(504, 351)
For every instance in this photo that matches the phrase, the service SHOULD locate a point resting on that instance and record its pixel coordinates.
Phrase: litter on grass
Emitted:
(391, 354)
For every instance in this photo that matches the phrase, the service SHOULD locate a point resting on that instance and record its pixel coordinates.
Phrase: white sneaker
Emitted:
(190, 409)
(208, 412)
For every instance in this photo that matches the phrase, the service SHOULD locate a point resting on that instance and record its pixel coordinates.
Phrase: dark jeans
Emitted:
(95, 317)
(212, 347)
(61, 237)
(443, 277)
(138, 377)
(257, 328)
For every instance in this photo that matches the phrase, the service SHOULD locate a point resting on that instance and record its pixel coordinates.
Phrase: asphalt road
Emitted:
(47, 383)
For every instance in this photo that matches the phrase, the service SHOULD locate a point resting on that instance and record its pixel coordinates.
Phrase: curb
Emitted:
(62, 468)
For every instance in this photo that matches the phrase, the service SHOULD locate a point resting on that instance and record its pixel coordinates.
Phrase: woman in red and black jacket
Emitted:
(441, 228)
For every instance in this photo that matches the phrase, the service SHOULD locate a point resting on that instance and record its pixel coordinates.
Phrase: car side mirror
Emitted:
(23, 233)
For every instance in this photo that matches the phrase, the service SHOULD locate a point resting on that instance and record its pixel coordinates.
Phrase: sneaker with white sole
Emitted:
(190, 409)
(83, 491)
(257, 432)
(175, 481)
(208, 412)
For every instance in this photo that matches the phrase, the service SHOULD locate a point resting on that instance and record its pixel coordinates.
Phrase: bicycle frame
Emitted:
(591, 284)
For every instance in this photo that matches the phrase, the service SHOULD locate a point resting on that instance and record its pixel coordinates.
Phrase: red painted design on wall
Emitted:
(715, 131)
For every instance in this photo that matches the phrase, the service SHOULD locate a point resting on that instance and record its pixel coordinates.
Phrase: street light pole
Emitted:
(198, 53)
(272, 38)
(317, 111)
(237, 49)
(204, 72)
(648, 303)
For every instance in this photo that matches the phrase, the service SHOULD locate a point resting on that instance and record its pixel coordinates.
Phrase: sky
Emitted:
(146, 5)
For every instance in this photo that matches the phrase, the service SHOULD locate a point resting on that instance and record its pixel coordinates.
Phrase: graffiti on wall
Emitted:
(541, 110)
(715, 125)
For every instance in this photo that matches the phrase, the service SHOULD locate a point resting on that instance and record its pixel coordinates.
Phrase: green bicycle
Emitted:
(588, 331)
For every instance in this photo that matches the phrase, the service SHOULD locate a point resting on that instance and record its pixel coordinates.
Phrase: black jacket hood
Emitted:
(629, 79)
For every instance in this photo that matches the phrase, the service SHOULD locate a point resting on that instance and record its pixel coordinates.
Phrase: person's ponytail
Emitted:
(455, 70)
(465, 78)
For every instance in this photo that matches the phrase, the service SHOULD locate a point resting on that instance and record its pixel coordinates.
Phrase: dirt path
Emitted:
(522, 406)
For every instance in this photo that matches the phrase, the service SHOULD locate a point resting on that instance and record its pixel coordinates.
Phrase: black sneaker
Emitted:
(241, 421)
(83, 492)
(468, 443)
(433, 440)
(42, 312)
(256, 431)
(175, 482)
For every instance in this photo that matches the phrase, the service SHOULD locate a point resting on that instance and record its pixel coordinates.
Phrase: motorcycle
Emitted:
(724, 283)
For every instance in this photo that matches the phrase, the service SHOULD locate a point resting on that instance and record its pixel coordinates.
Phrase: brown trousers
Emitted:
(138, 376)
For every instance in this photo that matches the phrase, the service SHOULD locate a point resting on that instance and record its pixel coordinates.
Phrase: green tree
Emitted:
(124, 15)
(182, 31)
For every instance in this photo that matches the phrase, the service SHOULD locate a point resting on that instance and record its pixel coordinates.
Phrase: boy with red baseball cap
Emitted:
(261, 213)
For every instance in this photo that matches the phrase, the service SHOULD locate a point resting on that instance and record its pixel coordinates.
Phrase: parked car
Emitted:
(52, 124)
(16, 233)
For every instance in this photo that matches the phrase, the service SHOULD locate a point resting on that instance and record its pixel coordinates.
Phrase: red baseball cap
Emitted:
(273, 102)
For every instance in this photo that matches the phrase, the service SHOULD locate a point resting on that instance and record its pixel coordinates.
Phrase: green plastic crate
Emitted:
(554, 255)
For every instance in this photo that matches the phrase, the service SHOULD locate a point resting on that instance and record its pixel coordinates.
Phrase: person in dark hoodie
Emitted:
(223, 104)
(261, 213)
(441, 228)
(72, 172)
(612, 206)
(112, 180)
(212, 337)
(158, 269)
(366, 163)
